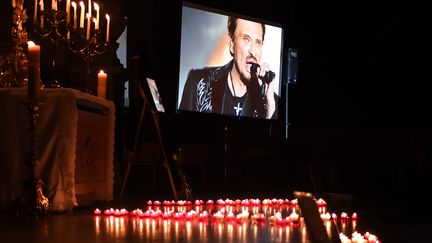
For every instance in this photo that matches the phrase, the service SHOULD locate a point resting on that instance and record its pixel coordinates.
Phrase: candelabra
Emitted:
(52, 28)
(88, 49)
(55, 26)
(13, 65)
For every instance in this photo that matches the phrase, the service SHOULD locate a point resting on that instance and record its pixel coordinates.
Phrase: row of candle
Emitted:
(89, 16)
(256, 202)
(242, 216)
(124, 212)
(356, 237)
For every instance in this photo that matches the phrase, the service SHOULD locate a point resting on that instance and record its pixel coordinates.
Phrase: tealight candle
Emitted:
(294, 216)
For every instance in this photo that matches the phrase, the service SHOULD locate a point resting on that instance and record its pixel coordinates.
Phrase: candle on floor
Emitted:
(97, 211)
(102, 84)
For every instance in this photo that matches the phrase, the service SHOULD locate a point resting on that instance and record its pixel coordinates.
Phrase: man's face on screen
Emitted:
(246, 47)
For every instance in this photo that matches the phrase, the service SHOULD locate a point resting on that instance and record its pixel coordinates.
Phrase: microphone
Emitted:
(268, 76)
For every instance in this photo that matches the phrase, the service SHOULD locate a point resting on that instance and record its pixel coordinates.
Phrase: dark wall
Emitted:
(362, 70)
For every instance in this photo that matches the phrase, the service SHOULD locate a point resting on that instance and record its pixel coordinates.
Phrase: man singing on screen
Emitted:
(242, 87)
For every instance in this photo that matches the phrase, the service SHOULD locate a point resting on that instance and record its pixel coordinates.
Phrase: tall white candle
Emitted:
(96, 7)
(102, 84)
(41, 3)
(82, 14)
(35, 12)
(68, 11)
(75, 14)
(94, 21)
(54, 5)
(108, 28)
(88, 26)
(89, 8)
(33, 68)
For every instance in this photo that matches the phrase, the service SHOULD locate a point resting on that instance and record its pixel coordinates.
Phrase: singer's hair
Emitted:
(232, 25)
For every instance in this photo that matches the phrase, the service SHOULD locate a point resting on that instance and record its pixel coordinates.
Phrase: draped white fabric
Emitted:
(56, 137)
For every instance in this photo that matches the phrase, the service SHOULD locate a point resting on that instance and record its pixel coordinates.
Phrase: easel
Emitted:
(131, 155)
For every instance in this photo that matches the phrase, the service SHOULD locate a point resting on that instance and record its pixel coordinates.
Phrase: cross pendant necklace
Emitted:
(237, 108)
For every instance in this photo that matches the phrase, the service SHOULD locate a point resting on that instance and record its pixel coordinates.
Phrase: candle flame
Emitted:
(101, 71)
(74, 4)
(82, 4)
(94, 20)
(31, 44)
(107, 16)
(88, 16)
(96, 6)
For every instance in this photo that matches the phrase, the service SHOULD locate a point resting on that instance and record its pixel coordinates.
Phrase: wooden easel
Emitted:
(131, 155)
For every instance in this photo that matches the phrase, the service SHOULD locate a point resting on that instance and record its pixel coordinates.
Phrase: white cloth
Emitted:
(56, 136)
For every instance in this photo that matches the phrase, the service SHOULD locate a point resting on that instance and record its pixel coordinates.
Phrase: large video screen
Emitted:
(230, 64)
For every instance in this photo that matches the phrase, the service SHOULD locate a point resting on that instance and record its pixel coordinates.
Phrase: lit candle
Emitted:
(33, 69)
(13, 3)
(94, 21)
(88, 26)
(96, 7)
(75, 14)
(108, 27)
(41, 3)
(35, 12)
(54, 5)
(68, 11)
(294, 216)
(82, 14)
(89, 8)
(97, 211)
(102, 84)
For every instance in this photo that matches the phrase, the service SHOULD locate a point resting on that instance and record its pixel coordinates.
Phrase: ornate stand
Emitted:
(55, 28)
(32, 199)
(38, 202)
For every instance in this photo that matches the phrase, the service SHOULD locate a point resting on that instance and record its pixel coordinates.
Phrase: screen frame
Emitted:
(184, 69)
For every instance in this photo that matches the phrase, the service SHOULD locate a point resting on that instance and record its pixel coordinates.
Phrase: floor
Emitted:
(81, 225)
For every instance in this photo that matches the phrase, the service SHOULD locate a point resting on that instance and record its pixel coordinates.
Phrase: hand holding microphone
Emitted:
(267, 87)
(265, 76)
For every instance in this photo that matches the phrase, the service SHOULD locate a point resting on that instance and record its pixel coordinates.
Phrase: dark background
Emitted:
(359, 114)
